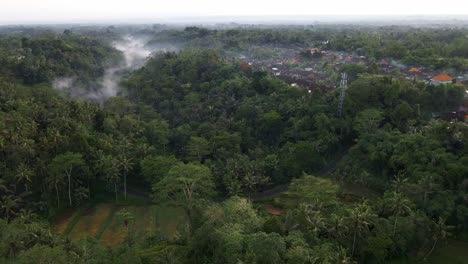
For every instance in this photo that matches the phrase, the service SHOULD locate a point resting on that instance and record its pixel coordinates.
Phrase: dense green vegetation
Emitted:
(205, 135)
(48, 56)
(435, 48)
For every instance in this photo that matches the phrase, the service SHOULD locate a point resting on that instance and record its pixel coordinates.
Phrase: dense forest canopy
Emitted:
(259, 170)
(438, 48)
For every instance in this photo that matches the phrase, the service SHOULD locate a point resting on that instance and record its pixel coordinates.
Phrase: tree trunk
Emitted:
(354, 243)
(69, 189)
(432, 249)
(115, 189)
(189, 222)
(394, 225)
(58, 197)
(89, 190)
(125, 185)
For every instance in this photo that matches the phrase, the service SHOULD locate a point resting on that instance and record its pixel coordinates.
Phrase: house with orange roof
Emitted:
(441, 79)
(383, 63)
(414, 70)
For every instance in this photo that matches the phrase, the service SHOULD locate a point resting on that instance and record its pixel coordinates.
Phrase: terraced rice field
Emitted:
(61, 223)
(101, 221)
(90, 221)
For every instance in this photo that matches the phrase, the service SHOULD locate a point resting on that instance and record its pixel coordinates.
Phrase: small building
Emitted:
(441, 79)
(383, 63)
(314, 50)
(414, 70)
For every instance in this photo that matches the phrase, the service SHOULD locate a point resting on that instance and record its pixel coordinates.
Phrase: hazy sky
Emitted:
(27, 11)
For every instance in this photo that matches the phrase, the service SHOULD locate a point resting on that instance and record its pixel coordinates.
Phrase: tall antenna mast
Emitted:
(344, 82)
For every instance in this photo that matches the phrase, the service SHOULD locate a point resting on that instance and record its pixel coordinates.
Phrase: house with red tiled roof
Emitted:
(441, 79)
(414, 70)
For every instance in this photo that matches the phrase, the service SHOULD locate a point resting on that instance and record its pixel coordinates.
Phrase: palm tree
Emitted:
(8, 204)
(81, 193)
(360, 220)
(341, 256)
(399, 183)
(337, 226)
(27, 217)
(441, 233)
(427, 185)
(126, 165)
(55, 181)
(3, 186)
(23, 175)
(113, 175)
(252, 180)
(125, 217)
(313, 218)
(399, 205)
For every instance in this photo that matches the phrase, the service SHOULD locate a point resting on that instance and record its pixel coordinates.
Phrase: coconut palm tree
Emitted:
(113, 175)
(125, 165)
(399, 205)
(81, 194)
(125, 217)
(313, 217)
(341, 256)
(24, 175)
(55, 182)
(9, 203)
(3, 186)
(400, 183)
(337, 225)
(427, 185)
(441, 232)
(359, 219)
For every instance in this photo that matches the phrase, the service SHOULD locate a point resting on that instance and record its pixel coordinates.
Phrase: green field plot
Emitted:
(90, 221)
(144, 221)
(61, 223)
(168, 220)
(102, 222)
(116, 232)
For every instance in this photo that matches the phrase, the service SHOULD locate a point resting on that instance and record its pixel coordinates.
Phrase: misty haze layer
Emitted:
(135, 54)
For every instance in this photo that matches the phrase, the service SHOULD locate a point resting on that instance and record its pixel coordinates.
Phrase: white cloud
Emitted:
(20, 11)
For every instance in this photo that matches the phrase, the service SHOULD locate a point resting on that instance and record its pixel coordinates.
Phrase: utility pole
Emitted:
(344, 82)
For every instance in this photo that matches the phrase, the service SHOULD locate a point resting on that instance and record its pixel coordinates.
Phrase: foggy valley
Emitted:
(253, 132)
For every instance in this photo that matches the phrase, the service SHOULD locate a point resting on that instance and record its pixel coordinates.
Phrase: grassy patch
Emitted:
(75, 219)
(144, 221)
(168, 220)
(90, 221)
(110, 198)
(105, 223)
(352, 192)
(453, 252)
(115, 233)
(63, 219)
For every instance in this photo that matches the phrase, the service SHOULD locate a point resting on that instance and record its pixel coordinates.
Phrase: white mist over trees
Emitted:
(134, 51)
